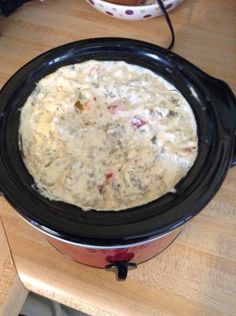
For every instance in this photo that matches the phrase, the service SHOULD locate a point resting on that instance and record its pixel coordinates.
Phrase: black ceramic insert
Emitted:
(214, 106)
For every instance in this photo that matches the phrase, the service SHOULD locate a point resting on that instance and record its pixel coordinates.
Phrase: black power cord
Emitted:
(164, 11)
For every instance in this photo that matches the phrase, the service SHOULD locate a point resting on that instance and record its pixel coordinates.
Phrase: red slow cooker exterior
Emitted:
(121, 258)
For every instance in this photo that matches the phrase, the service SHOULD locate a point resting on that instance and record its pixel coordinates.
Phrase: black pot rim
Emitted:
(214, 107)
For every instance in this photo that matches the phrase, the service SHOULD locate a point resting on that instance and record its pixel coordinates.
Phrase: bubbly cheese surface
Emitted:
(106, 135)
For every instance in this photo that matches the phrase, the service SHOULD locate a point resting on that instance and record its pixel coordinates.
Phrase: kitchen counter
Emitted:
(196, 275)
(12, 291)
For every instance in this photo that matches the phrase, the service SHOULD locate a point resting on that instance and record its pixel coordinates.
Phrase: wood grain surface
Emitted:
(196, 275)
(12, 291)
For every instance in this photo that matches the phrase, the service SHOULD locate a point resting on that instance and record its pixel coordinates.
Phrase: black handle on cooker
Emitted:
(225, 100)
(121, 268)
(228, 112)
(233, 161)
(220, 94)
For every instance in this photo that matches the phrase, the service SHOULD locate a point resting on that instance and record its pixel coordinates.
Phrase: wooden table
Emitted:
(196, 275)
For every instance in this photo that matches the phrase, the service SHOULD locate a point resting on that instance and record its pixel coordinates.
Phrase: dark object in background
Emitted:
(9, 6)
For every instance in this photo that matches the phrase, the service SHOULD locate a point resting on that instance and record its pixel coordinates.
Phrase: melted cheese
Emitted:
(107, 135)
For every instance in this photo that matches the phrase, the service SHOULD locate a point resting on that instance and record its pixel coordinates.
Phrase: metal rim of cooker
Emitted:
(214, 107)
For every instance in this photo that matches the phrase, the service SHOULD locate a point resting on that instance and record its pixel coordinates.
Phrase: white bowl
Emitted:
(140, 12)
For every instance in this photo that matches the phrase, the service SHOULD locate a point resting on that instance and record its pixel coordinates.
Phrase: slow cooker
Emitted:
(123, 239)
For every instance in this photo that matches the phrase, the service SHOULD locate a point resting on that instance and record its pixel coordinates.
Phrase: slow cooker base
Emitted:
(124, 257)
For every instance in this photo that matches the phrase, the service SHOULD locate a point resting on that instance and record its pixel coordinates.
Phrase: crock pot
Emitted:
(121, 239)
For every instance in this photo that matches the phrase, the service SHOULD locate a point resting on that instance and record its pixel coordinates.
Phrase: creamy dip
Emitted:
(107, 135)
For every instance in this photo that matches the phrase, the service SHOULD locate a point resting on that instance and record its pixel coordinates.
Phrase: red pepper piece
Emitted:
(109, 176)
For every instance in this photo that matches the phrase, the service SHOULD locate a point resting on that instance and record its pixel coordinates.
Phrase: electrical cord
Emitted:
(164, 11)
